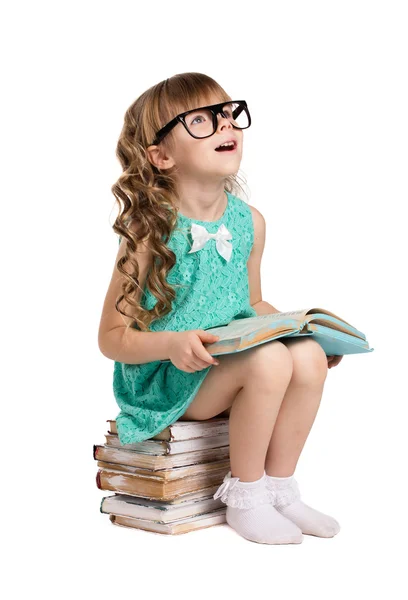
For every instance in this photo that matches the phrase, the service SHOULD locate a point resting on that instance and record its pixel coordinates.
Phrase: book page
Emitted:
(323, 311)
(272, 317)
(337, 327)
(248, 326)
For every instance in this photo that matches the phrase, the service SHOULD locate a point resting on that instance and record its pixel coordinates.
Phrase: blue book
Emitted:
(336, 336)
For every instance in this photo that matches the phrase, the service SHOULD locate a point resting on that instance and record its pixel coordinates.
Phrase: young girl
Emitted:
(189, 259)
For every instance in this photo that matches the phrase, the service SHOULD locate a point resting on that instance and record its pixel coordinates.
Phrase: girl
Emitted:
(189, 259)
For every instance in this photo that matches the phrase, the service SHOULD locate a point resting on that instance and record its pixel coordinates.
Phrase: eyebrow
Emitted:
(213, 104)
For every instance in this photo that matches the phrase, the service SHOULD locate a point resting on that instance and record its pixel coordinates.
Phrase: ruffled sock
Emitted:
(289, 504)
(251, 513)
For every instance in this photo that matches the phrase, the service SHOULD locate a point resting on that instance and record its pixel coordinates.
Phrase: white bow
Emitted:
(201, 236)
(228, 483)
(242, 498)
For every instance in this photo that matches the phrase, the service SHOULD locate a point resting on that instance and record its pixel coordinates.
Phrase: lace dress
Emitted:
(210, 291)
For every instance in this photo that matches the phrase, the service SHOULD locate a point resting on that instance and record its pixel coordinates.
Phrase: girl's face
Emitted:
(197, 159)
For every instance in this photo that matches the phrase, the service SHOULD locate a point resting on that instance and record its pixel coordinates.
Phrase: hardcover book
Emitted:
(335, 335)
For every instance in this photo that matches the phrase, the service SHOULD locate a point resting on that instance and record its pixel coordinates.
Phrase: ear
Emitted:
(159, 157)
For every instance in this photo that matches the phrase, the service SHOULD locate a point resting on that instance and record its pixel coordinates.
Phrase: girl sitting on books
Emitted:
(189, 259)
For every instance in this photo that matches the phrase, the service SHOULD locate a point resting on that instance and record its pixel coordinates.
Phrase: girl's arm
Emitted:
(135, 347)
(254, 266)
(264, 308)
(126, 344)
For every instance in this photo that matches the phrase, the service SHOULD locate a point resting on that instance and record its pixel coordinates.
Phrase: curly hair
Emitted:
(147, 196)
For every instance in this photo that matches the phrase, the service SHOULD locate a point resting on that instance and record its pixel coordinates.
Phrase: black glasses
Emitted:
(202, 122)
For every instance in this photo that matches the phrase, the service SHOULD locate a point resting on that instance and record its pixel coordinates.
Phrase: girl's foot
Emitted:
(252, 515)
(289, 504)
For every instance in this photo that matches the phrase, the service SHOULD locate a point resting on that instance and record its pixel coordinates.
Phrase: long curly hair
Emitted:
(147, 196)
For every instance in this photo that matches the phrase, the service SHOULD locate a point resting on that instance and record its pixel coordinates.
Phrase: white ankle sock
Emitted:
(289, 504)
(251, 513)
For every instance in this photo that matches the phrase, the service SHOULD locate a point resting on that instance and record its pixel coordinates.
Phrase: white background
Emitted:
(325, 161)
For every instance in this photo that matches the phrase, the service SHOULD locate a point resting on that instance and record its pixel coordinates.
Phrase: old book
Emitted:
(168, 474)
(152, 446)
(156, 487)
(154, 462)
(186, 430)
(176, 527)
(183, 507)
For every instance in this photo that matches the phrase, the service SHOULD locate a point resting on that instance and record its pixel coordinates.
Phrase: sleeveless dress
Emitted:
(210, 291)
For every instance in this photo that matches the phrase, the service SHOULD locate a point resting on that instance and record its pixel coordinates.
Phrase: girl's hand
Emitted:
(186, 350)
(332, 361)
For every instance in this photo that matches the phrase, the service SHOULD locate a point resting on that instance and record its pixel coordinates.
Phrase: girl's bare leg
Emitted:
(292, 427)
(253, 383)
(299, 407)
(255, 409)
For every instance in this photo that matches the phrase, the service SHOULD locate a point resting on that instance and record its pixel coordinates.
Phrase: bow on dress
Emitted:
(201, 236)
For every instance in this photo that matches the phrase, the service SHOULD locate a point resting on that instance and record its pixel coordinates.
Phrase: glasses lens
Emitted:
(200, 122)
(237, 114)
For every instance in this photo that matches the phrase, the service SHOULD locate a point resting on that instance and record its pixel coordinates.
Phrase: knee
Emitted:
(269, 364)
(309, 362)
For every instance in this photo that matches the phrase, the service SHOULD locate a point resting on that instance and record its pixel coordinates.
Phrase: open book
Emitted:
(336, 336)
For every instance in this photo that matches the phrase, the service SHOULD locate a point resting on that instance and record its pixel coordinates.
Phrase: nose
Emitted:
(222, 121)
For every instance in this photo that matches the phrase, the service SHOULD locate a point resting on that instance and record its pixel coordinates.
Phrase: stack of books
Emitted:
(165, 484)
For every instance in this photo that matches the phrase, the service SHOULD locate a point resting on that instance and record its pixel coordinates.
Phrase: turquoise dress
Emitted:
(210, 291)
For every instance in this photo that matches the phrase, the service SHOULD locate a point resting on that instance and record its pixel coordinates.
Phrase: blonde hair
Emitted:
(147, 196)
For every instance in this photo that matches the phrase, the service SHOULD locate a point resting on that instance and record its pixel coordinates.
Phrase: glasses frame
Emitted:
(215, 110)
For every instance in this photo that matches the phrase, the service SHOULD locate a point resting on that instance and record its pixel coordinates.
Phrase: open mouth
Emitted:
(228, 147)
